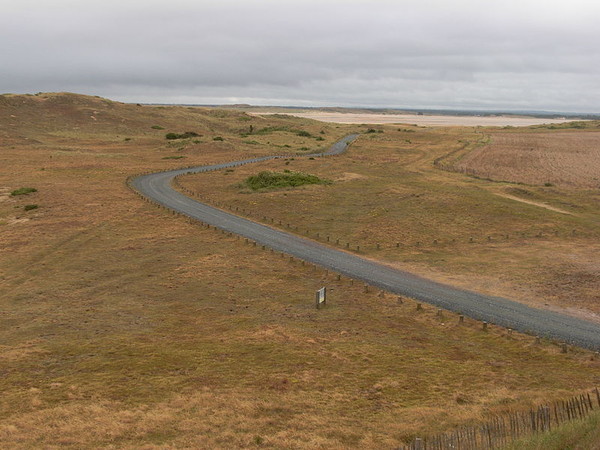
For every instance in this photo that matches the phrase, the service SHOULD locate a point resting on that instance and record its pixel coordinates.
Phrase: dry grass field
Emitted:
(536, 244)
(123, 326)
(565, 158)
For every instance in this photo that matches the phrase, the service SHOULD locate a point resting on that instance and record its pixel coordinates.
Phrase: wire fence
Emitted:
(502, 430)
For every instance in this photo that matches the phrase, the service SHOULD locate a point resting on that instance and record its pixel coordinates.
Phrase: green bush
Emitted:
(174, 157)
(269, 130)
(186, 135)
(303, 133)
(276, 180)
(218, 138)
(30, 207)
(157, 127)
(23, 191)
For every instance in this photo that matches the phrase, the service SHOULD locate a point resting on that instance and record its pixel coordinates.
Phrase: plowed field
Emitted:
(569, 158)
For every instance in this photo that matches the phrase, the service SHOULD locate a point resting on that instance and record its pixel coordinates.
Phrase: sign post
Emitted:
(321, 297)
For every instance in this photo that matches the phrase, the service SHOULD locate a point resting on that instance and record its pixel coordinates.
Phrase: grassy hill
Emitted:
(125, 326)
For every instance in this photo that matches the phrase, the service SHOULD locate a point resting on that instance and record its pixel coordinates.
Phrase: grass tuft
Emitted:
(579, 434)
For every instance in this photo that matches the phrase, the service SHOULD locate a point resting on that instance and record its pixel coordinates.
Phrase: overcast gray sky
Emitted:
(480, 54)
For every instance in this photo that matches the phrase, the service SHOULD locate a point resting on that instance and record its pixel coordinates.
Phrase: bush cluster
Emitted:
(23, 191)
(275, 180)
(186, 135)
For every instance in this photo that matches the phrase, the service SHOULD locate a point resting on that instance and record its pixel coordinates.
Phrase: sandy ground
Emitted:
(531, 202)
(497, 121)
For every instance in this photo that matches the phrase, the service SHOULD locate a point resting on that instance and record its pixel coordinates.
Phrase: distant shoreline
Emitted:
(425, 120)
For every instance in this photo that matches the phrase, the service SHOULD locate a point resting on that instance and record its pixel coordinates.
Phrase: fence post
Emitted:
(418, 444)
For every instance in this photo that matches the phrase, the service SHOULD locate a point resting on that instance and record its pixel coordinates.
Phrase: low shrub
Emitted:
(218, 138)
(174, 157)
(23, 191)
(269, 130)
(186, 135)
(276, 180)
(157, 127)
(30, 207)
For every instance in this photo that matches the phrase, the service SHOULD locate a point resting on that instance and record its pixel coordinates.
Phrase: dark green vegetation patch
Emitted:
(277, 180)
(23, 191)
(186, 135)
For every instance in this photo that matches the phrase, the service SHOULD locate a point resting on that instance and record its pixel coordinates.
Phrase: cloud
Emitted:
(460, 54)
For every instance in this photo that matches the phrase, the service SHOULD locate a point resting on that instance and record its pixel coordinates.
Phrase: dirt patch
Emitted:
(17, 220)
(568, 158)
(531, 202)
(349, 176)
(4, 194)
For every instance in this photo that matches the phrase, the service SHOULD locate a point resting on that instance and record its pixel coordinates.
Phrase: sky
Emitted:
(431, 54)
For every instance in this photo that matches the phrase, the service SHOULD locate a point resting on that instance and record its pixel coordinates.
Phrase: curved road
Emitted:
(497, 310)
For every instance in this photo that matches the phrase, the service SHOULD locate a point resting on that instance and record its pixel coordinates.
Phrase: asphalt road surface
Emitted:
(496, 310)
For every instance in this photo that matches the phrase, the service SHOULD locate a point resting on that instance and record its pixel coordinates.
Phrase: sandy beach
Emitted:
(427, 120)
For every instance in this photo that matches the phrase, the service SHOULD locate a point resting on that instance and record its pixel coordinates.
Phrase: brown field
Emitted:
(566, 158)
(123, 326)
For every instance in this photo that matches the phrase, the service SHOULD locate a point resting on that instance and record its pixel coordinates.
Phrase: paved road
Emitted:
(491, 309)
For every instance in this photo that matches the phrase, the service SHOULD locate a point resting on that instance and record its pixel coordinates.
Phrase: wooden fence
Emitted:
(502, 430)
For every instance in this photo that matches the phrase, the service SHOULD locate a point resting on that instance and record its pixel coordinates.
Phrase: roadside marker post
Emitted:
(321, 297)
